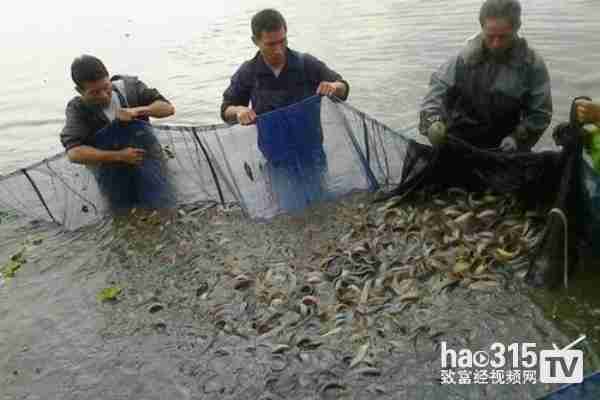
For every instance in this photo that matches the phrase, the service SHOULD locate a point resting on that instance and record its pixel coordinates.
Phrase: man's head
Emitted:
(91, 79)
(269, 34)
(500, 21)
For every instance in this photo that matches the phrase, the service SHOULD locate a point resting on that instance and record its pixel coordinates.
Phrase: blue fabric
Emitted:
(294, 187)
(292, 135)
(589, 389)
(146, 185)
(291, 141)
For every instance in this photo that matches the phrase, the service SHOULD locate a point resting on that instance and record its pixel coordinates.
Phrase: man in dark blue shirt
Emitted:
(277, 76)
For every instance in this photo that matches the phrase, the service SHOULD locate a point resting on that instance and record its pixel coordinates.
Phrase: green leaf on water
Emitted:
(18, 257)
(109, 294)
(9, 270)
(13, 265)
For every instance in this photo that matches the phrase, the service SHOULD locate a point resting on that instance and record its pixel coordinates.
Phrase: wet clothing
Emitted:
(83, 120)
(256, 83)
(147, 185)
(483, 101)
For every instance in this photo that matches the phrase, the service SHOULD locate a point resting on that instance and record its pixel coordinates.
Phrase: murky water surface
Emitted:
(180, 329)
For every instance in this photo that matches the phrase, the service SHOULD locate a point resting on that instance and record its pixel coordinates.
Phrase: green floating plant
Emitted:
(13, 265)
(109, 294)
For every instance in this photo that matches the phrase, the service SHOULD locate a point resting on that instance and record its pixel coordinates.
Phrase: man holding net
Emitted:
(277, 76)
(496, 92)
(104, 130)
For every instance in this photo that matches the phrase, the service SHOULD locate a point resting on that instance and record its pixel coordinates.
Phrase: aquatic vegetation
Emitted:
(108, 294)
(13, 265)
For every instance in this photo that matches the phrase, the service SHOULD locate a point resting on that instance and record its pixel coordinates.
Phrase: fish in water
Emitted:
(248, 171)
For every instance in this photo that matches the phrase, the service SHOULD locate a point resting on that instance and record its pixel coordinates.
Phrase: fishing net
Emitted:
(295, 157)
(313, 151)
(320, 150)
(561, 184)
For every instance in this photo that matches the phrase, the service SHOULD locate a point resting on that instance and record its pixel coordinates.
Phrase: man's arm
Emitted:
(236, 98)
(74, 135)
(330, 82)
(537, 113)
(433, 105)
(338, 89)
(90, 155)
(76, 131)
(157, 109)
(150, 103)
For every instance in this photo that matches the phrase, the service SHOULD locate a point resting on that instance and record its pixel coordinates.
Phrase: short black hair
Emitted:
(506, 9)
(87, 68)
(268, 20)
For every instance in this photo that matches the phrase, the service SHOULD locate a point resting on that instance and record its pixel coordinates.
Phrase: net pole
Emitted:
(39, 195)
(212, 169)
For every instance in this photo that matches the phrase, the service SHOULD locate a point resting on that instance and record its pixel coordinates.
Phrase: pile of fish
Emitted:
(463, 233)
(392, 257)
(472, 238)
(476, 240)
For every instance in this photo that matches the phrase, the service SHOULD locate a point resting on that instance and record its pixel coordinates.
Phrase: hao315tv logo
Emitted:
(562, 365)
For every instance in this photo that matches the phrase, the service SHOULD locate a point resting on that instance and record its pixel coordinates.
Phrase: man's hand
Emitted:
(129, 114)
(245, 116)
(337, 88)
(587, 111)
(437, 133)
(327, 88)
(562, 134)
(511, 142)
(131, 156)
(508, 144)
